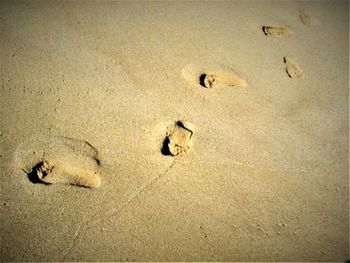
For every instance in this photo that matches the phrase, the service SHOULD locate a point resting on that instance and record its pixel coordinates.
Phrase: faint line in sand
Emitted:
(76, 235)
(140, 191)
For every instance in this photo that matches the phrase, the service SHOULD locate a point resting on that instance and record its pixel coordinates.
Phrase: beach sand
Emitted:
(174, 131)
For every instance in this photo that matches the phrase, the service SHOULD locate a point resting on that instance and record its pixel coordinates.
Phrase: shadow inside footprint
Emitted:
(33, 174)
(165, 148)
(209, 81)
(202, 78)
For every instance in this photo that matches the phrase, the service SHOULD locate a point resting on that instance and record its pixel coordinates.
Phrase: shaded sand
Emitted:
(263, 177)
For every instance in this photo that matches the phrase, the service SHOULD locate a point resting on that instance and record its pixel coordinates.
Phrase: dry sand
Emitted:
(90, 90)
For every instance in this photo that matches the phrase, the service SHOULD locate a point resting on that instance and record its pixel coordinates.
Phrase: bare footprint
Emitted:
(308, 19)
(277, 31)
(213, 76)
(59, 160)
(217, 80)
(178, 139)
(293, 69)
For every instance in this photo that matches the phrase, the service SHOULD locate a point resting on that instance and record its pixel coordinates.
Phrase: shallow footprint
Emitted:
(213, 76)
(178, 139)
(59, 160)
(308, 19)
(277, 31)
(293, 69)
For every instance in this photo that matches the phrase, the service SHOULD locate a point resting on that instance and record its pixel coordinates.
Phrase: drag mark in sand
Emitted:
(59, 160)
(69, 248)
(135, 196)
(115, 213)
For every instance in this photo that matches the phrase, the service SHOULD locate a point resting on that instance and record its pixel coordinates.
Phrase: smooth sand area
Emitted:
(174, 131)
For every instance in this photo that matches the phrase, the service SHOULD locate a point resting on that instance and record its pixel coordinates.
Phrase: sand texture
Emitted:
(174, 131)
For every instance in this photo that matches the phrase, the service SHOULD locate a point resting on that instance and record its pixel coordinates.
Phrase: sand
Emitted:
(90, 91)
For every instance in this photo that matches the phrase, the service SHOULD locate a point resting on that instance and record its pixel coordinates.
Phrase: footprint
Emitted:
(277, 31)
(212, 76)
(293, 69)
(178, 139)
(217, 80)
(59, 160)
(308, 19)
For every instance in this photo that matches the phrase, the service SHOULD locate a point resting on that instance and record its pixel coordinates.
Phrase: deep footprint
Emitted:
(178, 140)
(214, 76)
(293, 69)
(276, 31)
(59, 160)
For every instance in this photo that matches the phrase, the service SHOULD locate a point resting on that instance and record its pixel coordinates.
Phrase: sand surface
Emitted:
(92, 89)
